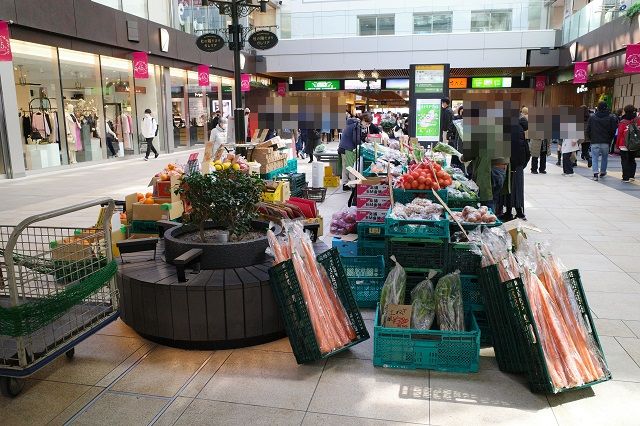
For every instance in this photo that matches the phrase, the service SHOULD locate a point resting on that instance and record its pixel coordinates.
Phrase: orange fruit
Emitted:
(148, 200)
(148, 195)
(140, 196)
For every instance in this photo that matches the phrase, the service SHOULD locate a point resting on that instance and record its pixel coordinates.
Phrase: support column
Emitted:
(9, 123)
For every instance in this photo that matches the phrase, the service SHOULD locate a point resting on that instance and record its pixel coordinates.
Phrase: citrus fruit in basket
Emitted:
(148, 201)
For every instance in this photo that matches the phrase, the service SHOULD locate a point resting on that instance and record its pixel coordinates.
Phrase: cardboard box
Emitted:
(379, 190)
(165, 211)
(282, 193)
(374, 216)
(166, 188)
(374, 203)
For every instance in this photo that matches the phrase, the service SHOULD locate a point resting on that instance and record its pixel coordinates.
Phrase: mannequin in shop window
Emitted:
(73, 131)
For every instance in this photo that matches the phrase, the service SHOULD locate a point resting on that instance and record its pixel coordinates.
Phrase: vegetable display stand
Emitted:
(486, 338)
(463, 257)
(460, 203)
(469, 226)
(418, 253)
(538, 372)
(371, 239)
(416, 228)
(405, 196)
(453, 351)
(288, 295)
(366, 275)
(509, 345)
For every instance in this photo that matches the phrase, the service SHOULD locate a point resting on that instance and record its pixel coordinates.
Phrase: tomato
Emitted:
(428, 182)
(414, 185)
(422, 187)
(421, 180)
(415, 175)
(440, 174)
(408, 178)
(437, 166)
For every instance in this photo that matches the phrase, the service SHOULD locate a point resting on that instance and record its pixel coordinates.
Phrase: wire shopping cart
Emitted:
(57, 288)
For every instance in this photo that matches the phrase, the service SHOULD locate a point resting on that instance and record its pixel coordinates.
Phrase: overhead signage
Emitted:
(397, 84)
(632, 59)
(5, 43)
(428, 119)
(580, 72)
(263, 40)
(203, 75)
(429, 78)
(458, 83)
(210, 42)
(140, 65)
(361, 85)
(490, 82)
(321, 85)
(245, 82)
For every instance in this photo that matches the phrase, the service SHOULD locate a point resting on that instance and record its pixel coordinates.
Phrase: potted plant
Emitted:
(633, 11)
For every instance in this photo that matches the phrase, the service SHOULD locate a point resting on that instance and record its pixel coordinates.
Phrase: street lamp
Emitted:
(237, 9)
(363, 78)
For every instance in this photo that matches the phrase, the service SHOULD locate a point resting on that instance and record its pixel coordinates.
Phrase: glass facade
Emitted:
(119, 107)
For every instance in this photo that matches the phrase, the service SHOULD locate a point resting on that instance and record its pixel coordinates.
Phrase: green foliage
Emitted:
(227, 198)
(388, 124)
(633, 10)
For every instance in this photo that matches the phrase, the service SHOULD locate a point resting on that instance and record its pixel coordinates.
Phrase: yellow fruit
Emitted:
(226, 165)
(236, 166)
(217, 162)
(218, 167)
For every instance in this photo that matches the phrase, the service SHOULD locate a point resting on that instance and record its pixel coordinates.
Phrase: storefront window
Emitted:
(149, 96)
(136, 7)
(159, 12)
(179, 108)
(83, 109)
(183, 20)
(119, 108)
(41, 116)
(198, 110)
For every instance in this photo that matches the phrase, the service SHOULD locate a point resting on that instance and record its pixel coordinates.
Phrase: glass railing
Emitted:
(592, 16)
(429, 19)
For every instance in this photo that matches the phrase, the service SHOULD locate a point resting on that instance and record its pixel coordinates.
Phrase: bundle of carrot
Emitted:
(570, 352)
(329, 319)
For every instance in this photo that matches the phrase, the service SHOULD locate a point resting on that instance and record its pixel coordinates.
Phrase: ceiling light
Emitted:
(375, 74)
(361, 75)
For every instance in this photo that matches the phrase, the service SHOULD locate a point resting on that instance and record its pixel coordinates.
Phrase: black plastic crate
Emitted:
(288, 295)
(463, 257)
(315, 194)
(417, 253)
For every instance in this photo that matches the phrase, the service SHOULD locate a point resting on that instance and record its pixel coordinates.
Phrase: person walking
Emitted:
(627, 158)
(446, 122)
(585, 144)
(352, 136)
(520, 155)
(311, 139)
(218, 137)
(569, 149)
(601, 128)
(149, 130)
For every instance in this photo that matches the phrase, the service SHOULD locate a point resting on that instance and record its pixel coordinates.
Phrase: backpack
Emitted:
(632, 138)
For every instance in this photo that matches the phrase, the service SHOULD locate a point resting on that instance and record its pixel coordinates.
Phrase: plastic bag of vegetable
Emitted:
(343, 222)
(423, 305)
(394, 288)
(449, 309)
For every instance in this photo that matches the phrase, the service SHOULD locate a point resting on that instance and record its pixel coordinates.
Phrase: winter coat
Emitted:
(601, 127)
(219, 137)
(520, 153)
(351, 135)
(538, 146)
(446, 124)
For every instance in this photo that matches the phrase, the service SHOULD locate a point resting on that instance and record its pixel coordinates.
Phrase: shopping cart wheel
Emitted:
(10, 386)
(70, 353)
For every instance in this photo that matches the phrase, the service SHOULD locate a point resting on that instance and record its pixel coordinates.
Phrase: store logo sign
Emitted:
(632, 61)
(140, 65)
(5, 44)
(320, 85)
(203, 76)
(245, 82)
(580, 73)
(164, 40)
(541, 83)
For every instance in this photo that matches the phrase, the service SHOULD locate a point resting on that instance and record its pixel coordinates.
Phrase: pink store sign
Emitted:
(632, 59)
(580, 72)
(245, 82)
(140, 64)
(5, 44)
(541, 83)
(203, 75)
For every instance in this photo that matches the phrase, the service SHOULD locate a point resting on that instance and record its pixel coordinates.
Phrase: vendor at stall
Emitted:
(353, 135)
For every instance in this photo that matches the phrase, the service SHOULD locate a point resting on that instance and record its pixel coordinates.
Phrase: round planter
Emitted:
(216, 255)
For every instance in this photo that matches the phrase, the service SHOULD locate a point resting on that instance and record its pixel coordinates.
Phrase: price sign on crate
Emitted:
(398, 316)
(192, 163)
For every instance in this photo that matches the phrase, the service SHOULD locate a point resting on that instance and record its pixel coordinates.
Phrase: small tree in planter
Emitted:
(227, 198)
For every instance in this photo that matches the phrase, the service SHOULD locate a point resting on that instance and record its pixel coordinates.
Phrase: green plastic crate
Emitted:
(272, 175)
(405, 196)
(453, 351)
(508, 344)
(371, 247)
(471, 295)
(417, 228)
(292, 166)
(538, 373)
(417, 253)
(460, 203)
(291, 304)
(366, 275)
(486, 339)
(462, 257)
(144, 227)
(370, 230)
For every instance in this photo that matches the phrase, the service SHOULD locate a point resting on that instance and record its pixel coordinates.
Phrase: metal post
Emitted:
(366, 107)
(238, 115)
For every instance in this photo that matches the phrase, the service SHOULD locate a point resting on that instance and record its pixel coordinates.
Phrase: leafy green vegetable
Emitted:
(449, 308)
(423, 304)
(446, 149)
(394, 288)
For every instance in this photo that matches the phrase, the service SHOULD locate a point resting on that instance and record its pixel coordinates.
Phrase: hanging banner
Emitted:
(140, 64)
(5, 43)
(282, 89)
(203, 75)
(245, 82)
(541, 83)
(632, 60)
(580, 73)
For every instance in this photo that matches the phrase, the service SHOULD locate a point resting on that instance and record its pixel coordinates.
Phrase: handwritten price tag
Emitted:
(398, 316)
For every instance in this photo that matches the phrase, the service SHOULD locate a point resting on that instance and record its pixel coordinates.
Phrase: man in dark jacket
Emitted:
(352, 136)
(446, 122)
(311, 139)
(601, 128)
(520, 155)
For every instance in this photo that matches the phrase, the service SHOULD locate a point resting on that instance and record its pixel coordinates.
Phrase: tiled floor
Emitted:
(119, 378)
